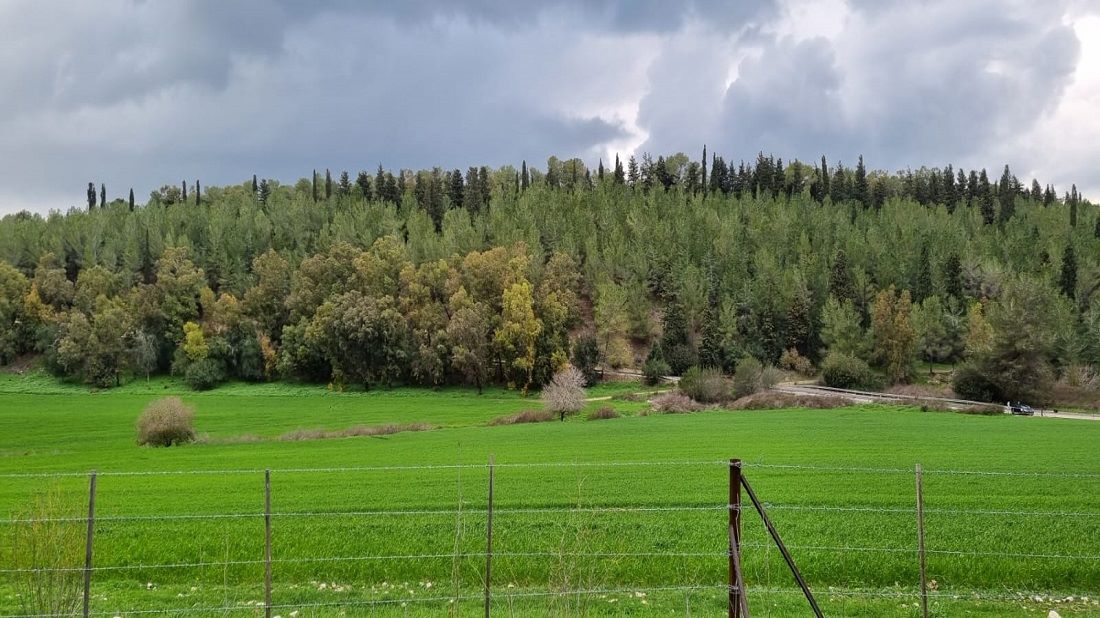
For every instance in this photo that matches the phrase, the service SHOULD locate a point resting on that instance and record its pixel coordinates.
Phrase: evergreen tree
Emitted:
(863, 194)
(362, 180)
(620, 176)
(102, 195)
(525, 177)
(183, 192)
(632, 171)
(456, 189)
(265, 191)
(985, 194)
(328, 185)
(1006, 194)
(1036, 191)
(380, 184)
(825, 190)
(344, 188)
(255, 186)
(91, 196)
(710, 346)
(1073, 199)
(313, 186)
(800, 328)
(675, 341)
(841, 285)
(703, 165)
(952, 277)
(198, 193)
(599, 173)
(922, 287)
(132, 204)
(1067, 282)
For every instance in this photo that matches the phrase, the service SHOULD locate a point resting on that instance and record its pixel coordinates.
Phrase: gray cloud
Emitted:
(147, 93)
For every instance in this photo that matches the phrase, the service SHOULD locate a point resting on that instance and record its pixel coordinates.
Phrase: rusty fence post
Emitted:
(88, 545)
(920, 543)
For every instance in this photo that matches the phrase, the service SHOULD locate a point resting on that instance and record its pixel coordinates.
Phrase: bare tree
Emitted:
(565, 392)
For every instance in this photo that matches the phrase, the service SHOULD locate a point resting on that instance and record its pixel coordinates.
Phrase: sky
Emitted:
(139, 93)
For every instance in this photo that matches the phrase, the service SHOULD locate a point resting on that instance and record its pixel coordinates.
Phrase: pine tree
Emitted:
(343, 188)
(328, 185)
(985, 194)
(1006, 193)
(132, 204)
(91, 196)
(456, 189)
(599, 172)
(1036, 191)
(265, 191)
(1067, 283)
(620, 175)
(710, 346)
(863, 194)
(362, 180)
(841, 285)
(632, 171)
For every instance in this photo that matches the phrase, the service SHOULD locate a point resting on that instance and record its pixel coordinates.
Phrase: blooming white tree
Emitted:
(565, 392)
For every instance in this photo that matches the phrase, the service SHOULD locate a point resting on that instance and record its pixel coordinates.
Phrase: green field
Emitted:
(630, 509)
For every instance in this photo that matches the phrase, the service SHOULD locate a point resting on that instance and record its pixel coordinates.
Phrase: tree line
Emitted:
(500, 275)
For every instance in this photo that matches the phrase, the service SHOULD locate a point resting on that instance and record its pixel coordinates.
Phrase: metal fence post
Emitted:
(738, 604)
(920, 543)
(489, 544)
(267, 543)
(88, 546)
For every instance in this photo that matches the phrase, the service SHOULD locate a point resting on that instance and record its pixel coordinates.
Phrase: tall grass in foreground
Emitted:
(46, 542)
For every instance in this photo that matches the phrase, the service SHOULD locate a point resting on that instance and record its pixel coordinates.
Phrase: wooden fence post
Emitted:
(267, 543)
(920, 544)
(88, 546)
(489, 544)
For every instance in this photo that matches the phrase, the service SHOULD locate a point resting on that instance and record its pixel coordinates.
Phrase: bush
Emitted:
(586, 358)
(704, 385)
(845, 371)
(526, 416)
(654, 370)
(680, 358)
(46, 553)
(747, 377)
(969, 382)
(675, 403)
(166, 422)
(791, 360)
(605, 412)
(769, 377)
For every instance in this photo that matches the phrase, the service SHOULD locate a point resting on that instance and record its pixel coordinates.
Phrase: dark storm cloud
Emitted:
(148, 93)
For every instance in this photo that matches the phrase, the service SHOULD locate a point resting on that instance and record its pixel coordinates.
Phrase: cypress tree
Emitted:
(380, 184)
(1068, 280)
(524, 176)
(1073, 199)
(183, 191)
(313, 186)
(952, 276)
(456, 188)
(922, 287)
(255, 186)
(91, 196)
(599, 170)
(825, 191)
(328, 184)
(132, 205)
(198, 194)
(102, 195)
(703, 165)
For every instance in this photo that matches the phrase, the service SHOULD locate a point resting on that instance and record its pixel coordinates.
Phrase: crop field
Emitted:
(624, 516)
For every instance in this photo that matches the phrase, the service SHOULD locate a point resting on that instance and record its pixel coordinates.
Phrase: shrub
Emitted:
(845, 371)
(779, 401)
(969, 382)
(675, 403)
(603, 413)
(704, 385)
(680, 358)
(747, 377)
(46, 553)
(204, 374)
(791, 360)
(769, 377)
(654, 370)
(526, 416)
(565, 392)
(166, 422)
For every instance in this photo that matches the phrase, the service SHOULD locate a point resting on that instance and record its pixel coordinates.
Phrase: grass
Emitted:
(548, 520)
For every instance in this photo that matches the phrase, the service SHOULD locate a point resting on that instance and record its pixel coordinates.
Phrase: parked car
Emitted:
(1020, 409)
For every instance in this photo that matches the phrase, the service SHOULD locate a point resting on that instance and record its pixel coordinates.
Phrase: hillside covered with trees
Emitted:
(501, 276)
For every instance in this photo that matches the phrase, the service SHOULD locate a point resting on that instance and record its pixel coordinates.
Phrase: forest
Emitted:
(504, 276)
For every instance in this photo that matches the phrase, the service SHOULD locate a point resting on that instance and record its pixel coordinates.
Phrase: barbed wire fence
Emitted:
(639, 537)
